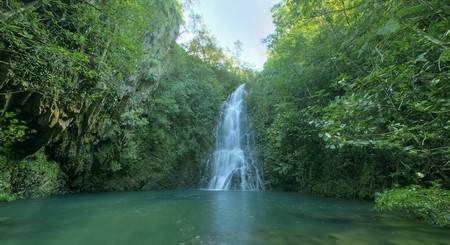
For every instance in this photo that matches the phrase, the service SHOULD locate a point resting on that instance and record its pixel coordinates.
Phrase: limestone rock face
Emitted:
(77, 117)
(44, 114)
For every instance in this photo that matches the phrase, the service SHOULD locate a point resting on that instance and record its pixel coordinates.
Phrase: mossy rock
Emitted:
(6, 220)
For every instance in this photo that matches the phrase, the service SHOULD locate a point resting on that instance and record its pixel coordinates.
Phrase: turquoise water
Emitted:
(206, 217)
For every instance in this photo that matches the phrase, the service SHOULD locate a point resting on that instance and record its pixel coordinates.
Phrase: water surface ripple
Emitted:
(206, 217)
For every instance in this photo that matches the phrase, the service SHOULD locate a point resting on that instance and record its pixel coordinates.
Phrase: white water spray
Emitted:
(234, 164)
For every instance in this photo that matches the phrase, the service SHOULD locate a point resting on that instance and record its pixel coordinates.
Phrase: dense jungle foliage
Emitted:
(353, 101)
(355, 98)
(98, 96)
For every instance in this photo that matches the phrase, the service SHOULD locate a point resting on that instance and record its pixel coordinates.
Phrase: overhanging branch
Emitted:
(28, 7)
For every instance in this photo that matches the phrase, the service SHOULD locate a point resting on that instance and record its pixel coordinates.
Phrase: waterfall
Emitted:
(234, 164)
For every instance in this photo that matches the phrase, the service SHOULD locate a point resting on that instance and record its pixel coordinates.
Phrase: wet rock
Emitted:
(6, 220)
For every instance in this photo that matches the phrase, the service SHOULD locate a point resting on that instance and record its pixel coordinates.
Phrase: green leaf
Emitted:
(390, 27)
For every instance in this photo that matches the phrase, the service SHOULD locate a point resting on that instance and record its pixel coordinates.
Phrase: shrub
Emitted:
(36, 176)
(5, 182)
(430, 204)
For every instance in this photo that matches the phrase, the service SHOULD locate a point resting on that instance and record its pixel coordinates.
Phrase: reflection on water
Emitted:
(231, 216)
(206, 217)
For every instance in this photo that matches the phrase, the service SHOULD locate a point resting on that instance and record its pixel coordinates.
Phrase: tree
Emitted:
(358, 83)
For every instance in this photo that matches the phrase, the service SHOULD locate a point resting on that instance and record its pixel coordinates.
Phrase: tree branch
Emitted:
(28, 7)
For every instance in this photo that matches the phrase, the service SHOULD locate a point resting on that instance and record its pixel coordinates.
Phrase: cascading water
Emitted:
(234, 164)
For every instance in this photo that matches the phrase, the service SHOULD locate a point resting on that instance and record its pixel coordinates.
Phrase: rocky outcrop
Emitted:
(73, 115)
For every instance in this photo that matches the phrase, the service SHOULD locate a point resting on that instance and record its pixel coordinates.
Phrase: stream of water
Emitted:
(206, 217)
(234, 164)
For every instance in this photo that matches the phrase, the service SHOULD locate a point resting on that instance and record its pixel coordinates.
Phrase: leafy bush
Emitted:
(36, 176)
(430, 204)
(5, 179)
(12, 129)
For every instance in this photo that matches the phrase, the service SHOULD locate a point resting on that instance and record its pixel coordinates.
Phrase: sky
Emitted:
(248, 21)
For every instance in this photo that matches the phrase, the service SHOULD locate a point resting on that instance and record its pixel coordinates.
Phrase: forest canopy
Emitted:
(355, 97)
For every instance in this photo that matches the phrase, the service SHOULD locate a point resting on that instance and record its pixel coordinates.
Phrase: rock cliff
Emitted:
(73, 73)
